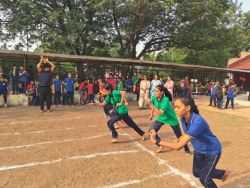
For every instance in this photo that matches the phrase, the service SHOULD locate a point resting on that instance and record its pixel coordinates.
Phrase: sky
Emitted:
(245, 7)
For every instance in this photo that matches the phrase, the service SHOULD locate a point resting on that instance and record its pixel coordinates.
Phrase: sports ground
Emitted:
(70, 147)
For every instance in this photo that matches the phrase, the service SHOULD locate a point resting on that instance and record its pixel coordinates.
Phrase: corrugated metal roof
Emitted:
(8, 54)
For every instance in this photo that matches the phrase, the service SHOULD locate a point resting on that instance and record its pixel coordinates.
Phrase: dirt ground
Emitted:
(70, 148)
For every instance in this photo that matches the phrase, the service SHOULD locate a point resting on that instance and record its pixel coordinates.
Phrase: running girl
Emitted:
(207, 147)
(116, 98)
(161, 106)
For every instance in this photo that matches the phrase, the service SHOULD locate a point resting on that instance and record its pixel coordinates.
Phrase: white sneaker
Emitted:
(5, 105)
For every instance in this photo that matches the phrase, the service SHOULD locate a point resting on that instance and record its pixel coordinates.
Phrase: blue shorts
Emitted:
(82, 91)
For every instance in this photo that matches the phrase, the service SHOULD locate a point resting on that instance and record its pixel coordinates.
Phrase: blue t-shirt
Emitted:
(57, 84)
(70, 84)
(212, 89)
(203, 139)
(23, 76)
(37, 87)
(230, 93)
(162, 83)
(116, 82)
(129, 82)
(3, 86)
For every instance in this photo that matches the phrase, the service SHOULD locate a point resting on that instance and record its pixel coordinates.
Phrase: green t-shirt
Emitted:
(117, 99)
(120, 86)
(168, 117)
(135, 78)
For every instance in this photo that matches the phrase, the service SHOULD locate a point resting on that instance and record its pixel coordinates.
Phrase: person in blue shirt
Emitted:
(230, 95)
(4, 90)
(212, 97)
(116, 81)
(14, 75)
(69, 82)
(129, 84)
(58, 90)
(23, 78)
(37, 93)
(207, 147)
(161, 80)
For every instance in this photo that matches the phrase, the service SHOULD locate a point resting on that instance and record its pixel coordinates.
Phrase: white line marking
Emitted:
(137, 181)
(3, 168)
(42, 131)
(185, 176)
(58, 141)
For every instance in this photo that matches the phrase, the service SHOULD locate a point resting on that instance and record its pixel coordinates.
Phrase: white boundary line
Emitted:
(130, 182)
(49, 130)
(3, 168)
(175, 171)
(53, 142)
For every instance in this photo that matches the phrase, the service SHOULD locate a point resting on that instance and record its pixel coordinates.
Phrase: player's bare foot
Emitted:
(143, 137)
(226, 175)
(160, 149)
(114, 140)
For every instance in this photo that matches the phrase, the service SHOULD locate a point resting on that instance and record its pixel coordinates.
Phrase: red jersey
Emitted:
(82, 86)
(209, 86)
(112, 82)
(90, 89)
(30, 86)
(100, 86)
(187, 81)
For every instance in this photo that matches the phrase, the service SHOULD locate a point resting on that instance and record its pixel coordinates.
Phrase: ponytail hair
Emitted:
(108, 87)
(166, 92)
(189, 101)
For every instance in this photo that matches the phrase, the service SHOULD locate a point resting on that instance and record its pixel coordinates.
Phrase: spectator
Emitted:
(183, 86)
(218, 94)
(4, 90)
(23, 78)
(169, 85)
(14, 74)
(58, 90)
(69, 82)
(188, 86)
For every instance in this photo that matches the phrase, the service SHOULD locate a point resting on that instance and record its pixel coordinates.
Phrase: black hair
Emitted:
(120, 78)
(166, 92)
(231, 84)
(45, 65)
(188, 100)
(15, 65)
(31, 66)
(90, 81)
(57, 75)
(21, 66)
(83, 80)
(111, 74)
(108, 87)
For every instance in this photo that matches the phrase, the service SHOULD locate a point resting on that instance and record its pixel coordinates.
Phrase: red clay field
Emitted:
(70, 147)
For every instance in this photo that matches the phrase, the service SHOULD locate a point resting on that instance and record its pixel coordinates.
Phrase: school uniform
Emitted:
(14, 80)
(120, 86)
(116, 83)
(69, 90)
(32, 92)
(58, 92)
(212, 97)
(230, 97)
(36, 97)
(23, 79)
(168, 117)
(91, 92)
(218, 94)
(120, 114)
(207, 150)
(129, 85)
(3, 90)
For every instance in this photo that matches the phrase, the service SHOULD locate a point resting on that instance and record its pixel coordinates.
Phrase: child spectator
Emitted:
(135, 81)
(120, 84)
(224, 89)
(91, 95)
(236, 89)
(83, 92)
(64, 94)
(37, 93)
(188, 86)
(14, 74)
(96, 89)
(32, 90)
(183, 86)
(230, 95)
(162, 82)
(116, 81)
(69, 82)
(218, 94)
(212, 98)
(209, 86)
(4, 90)
(129, 84)
(58, 90)
(111, 80)
(23, 78)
